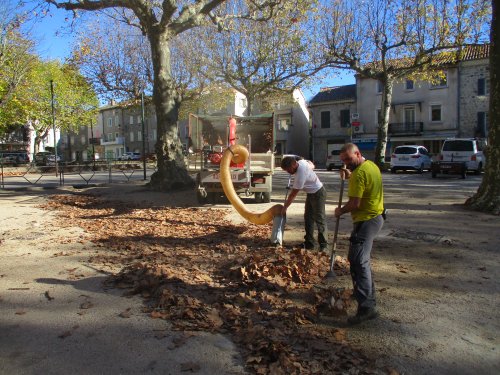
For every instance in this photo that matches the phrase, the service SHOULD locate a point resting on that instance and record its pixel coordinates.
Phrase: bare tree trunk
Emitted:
(249, 106)
(171, 173)
(487, 197)
(383, 124)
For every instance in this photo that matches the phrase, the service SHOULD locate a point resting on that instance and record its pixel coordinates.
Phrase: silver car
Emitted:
(410, 157)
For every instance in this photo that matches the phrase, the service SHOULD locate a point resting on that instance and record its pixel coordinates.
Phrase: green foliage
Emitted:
(75, 102)
(15, 63)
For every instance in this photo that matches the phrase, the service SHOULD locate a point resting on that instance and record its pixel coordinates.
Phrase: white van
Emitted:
(464, 150)
(333, 156)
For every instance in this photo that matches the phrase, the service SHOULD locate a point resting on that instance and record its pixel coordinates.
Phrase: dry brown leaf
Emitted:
(48, 296)
(86, 305)
(190, 366)
(159, 314)
(214, 318)
(125, 314)
(65, 334)
(340, 334)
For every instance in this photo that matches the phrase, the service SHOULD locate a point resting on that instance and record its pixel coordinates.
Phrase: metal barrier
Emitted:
(74, 174)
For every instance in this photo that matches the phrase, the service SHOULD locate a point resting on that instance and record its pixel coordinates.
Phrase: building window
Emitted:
(345, 118)
(481, 125)
(409, 85)
(409, 115)
(481, 86)
(131, 120)
(72, 140)
(154, 135)
(131, 136)
(325, 119)
(440, 81)
(139, 119)
(111, 137)
(284, 122)
(380, 87)
(139, 135)
(83, 140)
(110, 122)
(436, 113)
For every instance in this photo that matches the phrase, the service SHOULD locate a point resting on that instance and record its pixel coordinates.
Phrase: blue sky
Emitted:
(55, 42)
(51, 32)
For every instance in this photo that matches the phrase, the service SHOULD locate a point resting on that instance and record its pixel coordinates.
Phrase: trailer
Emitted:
(208, 138)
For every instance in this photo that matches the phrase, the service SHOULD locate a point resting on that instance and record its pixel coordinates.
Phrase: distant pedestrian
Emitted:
(314, 213)
(366, 205)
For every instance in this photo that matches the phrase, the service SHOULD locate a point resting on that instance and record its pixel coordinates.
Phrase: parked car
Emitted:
(14, 157)
(130, 156)
(333, 157)
(410, 157)
(41, 157)
(469, 151)
(51, 159)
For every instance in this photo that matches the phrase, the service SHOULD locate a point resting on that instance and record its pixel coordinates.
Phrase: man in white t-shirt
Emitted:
(306, 179)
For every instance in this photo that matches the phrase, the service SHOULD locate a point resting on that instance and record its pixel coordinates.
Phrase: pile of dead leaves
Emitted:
(202, 272)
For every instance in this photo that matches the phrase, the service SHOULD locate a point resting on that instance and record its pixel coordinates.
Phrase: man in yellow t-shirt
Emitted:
(366, 205)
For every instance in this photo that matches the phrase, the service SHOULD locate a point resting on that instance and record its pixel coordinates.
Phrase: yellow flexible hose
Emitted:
(239, 154)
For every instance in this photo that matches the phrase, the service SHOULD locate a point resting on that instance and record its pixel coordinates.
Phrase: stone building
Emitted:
(332, 110)
(422, 112)
(473, 92)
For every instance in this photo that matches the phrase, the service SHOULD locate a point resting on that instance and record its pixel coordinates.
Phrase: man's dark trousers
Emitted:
(360, 249)
(314, 214)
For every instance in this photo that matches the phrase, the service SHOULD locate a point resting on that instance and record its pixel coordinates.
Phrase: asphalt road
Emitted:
(398, 184)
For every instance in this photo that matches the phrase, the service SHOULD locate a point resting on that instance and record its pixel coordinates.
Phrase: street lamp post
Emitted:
(92, 141)
(143, 136)
(54, 124)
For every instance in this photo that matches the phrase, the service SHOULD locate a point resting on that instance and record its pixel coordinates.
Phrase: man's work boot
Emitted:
(363, 314)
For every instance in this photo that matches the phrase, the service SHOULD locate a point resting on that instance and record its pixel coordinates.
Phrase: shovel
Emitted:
(331, 273)
(279, 222)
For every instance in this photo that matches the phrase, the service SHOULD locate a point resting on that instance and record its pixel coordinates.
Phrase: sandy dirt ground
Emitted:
(58, 317)
(436, 268)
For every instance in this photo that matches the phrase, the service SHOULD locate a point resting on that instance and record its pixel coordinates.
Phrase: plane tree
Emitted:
(162, 22)
(487, 197)
(261, 60)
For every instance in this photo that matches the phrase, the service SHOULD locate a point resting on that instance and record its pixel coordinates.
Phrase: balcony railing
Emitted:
(406, 128)
(115, 141)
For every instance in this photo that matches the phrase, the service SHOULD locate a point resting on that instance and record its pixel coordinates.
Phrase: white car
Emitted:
(410, 157)
(130, 156)
(333, 160)
(51, 159)
(465, 150)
